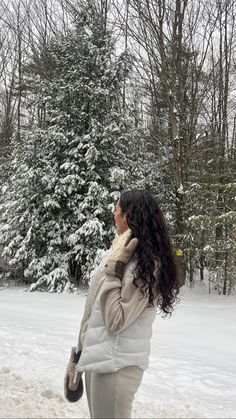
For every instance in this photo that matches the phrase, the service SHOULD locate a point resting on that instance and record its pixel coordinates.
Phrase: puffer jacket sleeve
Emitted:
(121, 302)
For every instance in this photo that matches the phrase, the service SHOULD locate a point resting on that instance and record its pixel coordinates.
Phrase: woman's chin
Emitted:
(117, 230)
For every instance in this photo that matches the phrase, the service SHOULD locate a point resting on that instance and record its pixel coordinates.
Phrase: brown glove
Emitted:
(73, 382)
(122, 252)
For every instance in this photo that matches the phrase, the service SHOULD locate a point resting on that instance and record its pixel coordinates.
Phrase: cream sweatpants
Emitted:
(111, 395)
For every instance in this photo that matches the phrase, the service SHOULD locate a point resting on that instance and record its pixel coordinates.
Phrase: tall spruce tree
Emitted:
(72, 159)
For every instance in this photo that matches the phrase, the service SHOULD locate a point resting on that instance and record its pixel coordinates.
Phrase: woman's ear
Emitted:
(125, 220)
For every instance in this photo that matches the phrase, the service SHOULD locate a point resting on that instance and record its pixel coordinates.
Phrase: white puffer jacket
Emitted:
(104, 351)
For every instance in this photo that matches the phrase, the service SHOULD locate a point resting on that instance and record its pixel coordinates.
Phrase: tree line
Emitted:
(98, 96)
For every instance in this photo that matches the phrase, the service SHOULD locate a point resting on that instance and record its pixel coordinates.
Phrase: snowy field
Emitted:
(192, 371)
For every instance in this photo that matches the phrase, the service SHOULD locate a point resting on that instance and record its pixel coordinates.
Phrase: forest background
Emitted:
(97, 96)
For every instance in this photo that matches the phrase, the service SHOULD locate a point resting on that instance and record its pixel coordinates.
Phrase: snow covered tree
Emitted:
(72, 162)
(213, 212)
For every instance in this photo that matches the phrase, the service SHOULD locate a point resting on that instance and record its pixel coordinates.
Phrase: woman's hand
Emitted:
(73, 383)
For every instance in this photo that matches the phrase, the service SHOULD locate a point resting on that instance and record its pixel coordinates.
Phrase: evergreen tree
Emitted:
(72, 162)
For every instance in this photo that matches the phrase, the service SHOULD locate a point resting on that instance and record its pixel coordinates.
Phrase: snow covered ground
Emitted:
(192, 371)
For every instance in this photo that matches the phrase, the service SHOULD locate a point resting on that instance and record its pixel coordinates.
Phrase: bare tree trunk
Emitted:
(126, 46)
(201, 262)
(19, 48)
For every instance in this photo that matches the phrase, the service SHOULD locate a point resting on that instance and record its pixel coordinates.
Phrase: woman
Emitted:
(137, 275)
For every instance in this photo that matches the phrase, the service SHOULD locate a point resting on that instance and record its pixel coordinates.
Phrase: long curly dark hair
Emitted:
(147, 223)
